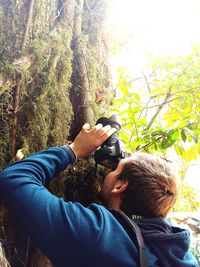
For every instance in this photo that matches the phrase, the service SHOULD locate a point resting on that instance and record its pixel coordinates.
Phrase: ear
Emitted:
(119, 186)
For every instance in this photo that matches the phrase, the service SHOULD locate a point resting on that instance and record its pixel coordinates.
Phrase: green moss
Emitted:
(1, 29)
(49, 108)
(4, 145)
(5, 120)
(45, 111)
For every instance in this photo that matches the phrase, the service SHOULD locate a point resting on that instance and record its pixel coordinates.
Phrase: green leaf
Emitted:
(135, 109)
(190, 126)
(155, 146)
(193, 134)
(179, 150)
(183, 135)
(123, 88)
(136, 96)
(124, 137)
(169, 139)
(191, 154)
(198, 147)
(158, 132)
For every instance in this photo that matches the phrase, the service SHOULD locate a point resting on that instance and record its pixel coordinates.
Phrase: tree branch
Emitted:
(159, 109)
(146, 80)
(149, 144)
(171, 100)
(146, 107)
(80, 41)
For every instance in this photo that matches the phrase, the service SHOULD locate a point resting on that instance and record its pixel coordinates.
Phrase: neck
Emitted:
(114, 203)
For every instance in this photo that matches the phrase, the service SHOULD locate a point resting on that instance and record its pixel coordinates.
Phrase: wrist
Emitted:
(71, 146)
(71, 152)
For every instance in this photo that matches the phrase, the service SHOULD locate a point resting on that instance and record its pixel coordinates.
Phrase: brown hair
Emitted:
(152, 186)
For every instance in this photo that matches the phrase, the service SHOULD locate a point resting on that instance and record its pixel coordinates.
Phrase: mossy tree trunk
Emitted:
(54, 76)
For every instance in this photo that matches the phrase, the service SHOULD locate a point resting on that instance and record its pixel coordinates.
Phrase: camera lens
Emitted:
(113, 121)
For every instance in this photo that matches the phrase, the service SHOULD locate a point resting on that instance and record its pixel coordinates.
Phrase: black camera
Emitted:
(112, 150)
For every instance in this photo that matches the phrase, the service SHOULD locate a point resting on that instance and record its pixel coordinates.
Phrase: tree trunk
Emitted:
(54, 76)
(82, 67)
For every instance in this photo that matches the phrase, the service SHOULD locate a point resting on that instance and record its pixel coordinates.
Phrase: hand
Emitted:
(88, 140)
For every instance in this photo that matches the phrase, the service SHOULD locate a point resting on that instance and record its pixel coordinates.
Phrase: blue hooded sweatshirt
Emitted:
(76, 236)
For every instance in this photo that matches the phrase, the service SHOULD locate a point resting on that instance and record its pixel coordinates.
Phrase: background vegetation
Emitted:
(160, 114)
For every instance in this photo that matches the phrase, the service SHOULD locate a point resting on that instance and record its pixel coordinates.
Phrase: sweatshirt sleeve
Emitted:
(44, 217)
(67, 233)
(40, 167)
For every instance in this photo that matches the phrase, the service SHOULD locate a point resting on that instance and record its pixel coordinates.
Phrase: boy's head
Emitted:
(143, 185)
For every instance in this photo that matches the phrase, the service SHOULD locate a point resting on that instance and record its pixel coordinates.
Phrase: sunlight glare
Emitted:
(157, 27)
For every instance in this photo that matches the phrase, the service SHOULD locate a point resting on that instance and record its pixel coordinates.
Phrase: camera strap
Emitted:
(132, 227)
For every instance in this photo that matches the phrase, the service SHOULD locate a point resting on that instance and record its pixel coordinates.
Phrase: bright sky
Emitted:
(156, 27)
(161, 27)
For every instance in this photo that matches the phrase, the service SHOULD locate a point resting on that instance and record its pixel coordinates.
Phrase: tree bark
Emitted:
(28, 23)
(81, 71)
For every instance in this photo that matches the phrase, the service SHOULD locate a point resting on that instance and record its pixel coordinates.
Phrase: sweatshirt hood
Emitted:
(169, 243)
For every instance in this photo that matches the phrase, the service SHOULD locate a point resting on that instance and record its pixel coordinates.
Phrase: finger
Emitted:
(98, 127)
(111, 131)
(101, 131)
(107, 134)
(86, 126)
(106, 128)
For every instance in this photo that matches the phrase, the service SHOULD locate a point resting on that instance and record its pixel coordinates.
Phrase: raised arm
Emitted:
(48, 220)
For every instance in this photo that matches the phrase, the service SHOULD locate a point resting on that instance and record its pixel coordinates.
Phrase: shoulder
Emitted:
(95, 213)
(95, 221)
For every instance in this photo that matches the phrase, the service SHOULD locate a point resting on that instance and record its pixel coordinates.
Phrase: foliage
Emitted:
(188, 200)
(162, 111)
(160, 114)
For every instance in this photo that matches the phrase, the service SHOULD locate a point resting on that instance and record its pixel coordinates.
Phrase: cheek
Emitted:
(110, 180)
(107, 171)
(108, 184)
(105, 186)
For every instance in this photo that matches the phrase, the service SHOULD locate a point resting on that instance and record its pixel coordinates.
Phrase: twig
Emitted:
(158, 105)
(2, 49)
(159, 109)
(149, 144)
(182, 71)
(59, 11)
(145, 77)
(136, 129)
(146, 107)
(141, 78)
